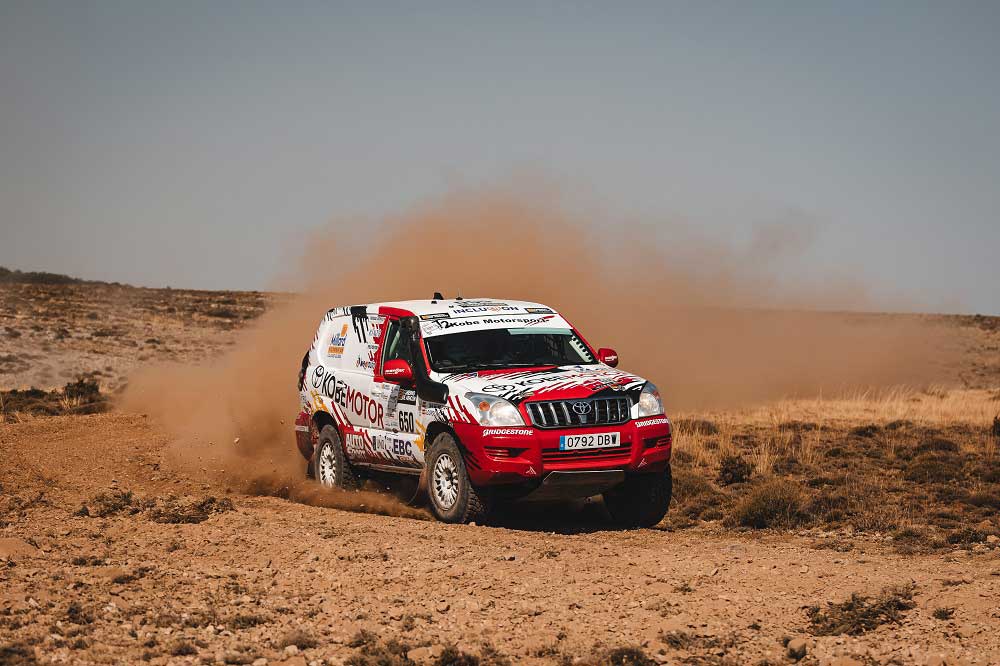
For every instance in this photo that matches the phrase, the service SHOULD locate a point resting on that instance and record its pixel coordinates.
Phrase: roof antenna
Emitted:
(437, 297)
(459, 297)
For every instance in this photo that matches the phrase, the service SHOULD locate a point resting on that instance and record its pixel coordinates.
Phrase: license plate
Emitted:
(597, 440)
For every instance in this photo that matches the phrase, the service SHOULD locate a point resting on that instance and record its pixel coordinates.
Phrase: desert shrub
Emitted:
(77, 614)
(696, 426)
(820, 481)
(995, 430)
(176, 511)
(683, 457)
(989, 499)
(626, 656)
(933, 468)
(734, 469)
(835, 452)
(898, 424)
(246, 621)
(695, 496)
(831, 504)
(966, 536)
(949, 493)
(83, 389)
(223, 313)
(943, 613)
(362, 638)
(865, 431)
(116, 502)
(183, 649)
(936, 444)
(452, 656)
(860, 614)
(913, 540)
(797, 426)
(774, 503)
(989, 473)
(300, 638)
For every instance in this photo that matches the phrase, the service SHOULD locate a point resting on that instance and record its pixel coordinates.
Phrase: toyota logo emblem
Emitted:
(581, 408)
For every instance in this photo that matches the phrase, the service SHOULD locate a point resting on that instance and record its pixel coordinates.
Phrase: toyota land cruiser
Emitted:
(479, 401)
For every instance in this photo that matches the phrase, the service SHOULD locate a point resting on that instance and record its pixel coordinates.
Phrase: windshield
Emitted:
(506, 348)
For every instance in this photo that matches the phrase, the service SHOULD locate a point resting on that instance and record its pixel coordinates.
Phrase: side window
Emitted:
(396, 346)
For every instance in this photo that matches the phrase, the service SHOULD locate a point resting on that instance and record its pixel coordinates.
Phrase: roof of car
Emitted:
(461, 305)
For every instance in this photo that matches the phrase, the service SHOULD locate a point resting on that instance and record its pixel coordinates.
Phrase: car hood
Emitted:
(568, 382)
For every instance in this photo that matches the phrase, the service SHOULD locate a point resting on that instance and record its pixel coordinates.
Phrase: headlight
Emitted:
(650, 403)
(494, 411)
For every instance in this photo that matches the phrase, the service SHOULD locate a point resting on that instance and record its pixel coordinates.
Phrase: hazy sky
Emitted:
(183, 143)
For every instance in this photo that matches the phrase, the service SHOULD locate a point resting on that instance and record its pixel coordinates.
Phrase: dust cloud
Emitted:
(711, 325)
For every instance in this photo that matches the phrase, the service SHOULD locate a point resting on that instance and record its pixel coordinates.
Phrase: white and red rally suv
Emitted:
(478, 401)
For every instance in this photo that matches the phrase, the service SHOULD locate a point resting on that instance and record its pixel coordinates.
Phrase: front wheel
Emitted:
(641, 500)
(453, 498)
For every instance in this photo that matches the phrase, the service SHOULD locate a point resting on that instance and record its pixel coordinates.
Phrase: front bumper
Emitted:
(524, 453)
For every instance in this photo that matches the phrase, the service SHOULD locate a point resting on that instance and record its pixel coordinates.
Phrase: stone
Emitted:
(419, 654)
(993, 539)
(443, 607)
(796, 648)
(14, 548)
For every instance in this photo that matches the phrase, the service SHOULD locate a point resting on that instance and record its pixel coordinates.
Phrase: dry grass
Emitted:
(900, 462)
(936, 407)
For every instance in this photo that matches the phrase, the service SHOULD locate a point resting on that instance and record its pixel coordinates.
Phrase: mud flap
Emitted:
(420, 497)
(304, 436)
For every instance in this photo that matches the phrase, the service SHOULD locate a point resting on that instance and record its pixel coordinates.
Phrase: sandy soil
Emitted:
(113, 550)
(244, 584)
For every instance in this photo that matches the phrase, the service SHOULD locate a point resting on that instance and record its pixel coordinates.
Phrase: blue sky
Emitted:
(196, 143)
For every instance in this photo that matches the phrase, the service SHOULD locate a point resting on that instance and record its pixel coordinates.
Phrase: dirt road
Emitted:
(289, 583)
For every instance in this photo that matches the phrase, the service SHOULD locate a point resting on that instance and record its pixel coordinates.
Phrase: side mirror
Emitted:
(398, 371)
(607, 356)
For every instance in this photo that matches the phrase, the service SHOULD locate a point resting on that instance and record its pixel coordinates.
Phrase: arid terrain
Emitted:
(861, 528)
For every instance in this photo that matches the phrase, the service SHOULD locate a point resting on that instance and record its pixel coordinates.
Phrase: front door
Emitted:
(400, 441)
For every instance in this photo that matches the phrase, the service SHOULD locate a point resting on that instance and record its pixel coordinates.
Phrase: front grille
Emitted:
(566, 413)
(556, 456)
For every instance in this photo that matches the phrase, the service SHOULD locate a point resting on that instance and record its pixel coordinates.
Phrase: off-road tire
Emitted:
(343, 474)
(641, 500)
(470, 503)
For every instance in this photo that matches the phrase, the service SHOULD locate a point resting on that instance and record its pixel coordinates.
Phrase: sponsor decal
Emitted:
(355, 445)
(406, 422)
(488, 432)
(435, 315)
(465, 305)
(302, 428)
(337, 342)
(358, 402)
(391, 447)
(439, 325)
(408, 397)
(394, 372)
(531, 471)
(648, 422)
(540, 310)
(323, 381)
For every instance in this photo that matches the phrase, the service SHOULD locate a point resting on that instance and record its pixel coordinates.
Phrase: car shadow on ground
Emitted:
(568, 517)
